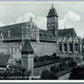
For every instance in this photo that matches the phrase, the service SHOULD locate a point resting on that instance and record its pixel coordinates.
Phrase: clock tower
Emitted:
(52, 21)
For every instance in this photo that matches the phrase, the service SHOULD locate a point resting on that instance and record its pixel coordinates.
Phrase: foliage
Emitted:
(14, 72)
(48, 75)
(77, 73)
(46, 58)
(55, 69)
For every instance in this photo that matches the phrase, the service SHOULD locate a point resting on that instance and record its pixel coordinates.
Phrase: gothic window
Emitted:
(52, 24)
(40, 34)
(65, 47)
(60, 47)
(76, 47)
(71, 47)
(45, 35)
(48, 25)
(52, 20)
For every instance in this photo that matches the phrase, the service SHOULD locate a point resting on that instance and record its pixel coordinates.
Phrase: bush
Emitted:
(48, 75)
(77, 73)
(72, 63)
(55, 69)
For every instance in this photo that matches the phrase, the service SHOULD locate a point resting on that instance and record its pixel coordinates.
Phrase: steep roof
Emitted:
(27, 48)
(45, 35)
(52, 12)
(4, 60)
(66, 32)
(15, 31)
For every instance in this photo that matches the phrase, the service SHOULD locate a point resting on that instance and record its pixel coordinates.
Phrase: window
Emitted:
(71, 46)
(76, 47)
(52, 24)
(45, 35)
(52, 20)
(60, 47)
(40, 34)
(65, 46)
(51, 36)
(48, 25)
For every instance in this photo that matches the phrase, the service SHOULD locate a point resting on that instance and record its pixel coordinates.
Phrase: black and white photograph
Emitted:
(42, 40)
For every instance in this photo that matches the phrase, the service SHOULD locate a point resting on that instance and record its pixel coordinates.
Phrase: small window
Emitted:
(52, 20)
(40, 34)
(45, 35)
(51, 36)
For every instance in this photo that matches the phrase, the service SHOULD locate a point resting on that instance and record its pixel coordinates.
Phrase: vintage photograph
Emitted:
(41, 41)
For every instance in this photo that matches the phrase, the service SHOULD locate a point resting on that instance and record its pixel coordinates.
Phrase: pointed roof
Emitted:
(67, 32)
(52, 12)
(27, 48)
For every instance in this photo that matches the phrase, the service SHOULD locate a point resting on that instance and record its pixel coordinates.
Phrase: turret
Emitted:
(52, 21)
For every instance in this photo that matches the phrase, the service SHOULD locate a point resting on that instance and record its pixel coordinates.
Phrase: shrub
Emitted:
(77, 73)
(72, 63)
(48, 75)
(55, 69)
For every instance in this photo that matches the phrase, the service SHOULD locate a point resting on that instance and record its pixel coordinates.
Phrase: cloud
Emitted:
(69, 20)
(71, 16)
(25, 18)
(39, 21)
(61, 23)
(1, 24)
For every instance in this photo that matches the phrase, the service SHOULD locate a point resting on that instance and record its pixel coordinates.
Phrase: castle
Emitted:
(25, 40)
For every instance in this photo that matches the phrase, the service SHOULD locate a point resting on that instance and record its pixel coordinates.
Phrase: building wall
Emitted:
(13, 49)
(44, 48)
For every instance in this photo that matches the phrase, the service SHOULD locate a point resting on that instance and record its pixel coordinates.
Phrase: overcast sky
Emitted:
(70, 14)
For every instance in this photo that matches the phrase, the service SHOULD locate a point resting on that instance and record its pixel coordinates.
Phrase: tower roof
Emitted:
(27, 48)
(52, 12)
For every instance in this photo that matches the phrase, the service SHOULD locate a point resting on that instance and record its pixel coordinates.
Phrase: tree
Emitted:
(48, 75)
(77, 73)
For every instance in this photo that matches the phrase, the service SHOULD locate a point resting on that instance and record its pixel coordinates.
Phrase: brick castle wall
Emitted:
(41, 49)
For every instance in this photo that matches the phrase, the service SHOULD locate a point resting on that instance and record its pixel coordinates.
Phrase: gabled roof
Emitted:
(52, 12)
(67, 33)
(15, 31)
(27, 48)
(4, 60)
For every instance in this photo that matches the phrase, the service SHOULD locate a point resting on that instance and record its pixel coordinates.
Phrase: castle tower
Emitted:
(52, 21)
(27, 57)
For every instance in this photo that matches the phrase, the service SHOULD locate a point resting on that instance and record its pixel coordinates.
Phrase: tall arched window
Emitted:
(70, 47)
(76, 46)
(60, 47)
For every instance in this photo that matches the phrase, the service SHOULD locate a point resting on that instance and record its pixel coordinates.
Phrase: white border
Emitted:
(42, 81)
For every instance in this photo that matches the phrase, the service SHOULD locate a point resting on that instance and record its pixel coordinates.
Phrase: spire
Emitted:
(52, 5)
(52, 12)
(30, 19)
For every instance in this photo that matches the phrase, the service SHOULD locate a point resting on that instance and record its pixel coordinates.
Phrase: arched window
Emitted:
(60, 47)
(65, 46)
(70, 47)
(76, 46)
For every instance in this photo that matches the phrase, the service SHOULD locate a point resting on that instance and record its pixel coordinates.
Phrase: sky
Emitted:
(71, 14)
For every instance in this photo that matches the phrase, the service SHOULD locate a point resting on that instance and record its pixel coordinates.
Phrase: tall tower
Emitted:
(52, 21)
(27, 57)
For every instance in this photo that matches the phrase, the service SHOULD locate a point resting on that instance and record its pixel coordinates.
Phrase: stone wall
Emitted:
(44, 48)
